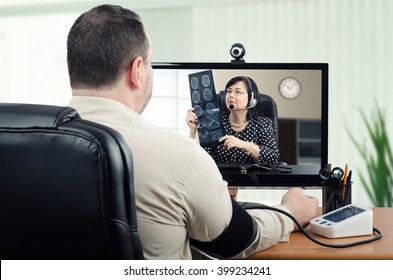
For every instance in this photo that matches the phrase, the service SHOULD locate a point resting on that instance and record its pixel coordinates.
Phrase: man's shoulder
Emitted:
(171, 135)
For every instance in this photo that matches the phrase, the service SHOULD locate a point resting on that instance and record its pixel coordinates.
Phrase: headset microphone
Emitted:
(252, 105)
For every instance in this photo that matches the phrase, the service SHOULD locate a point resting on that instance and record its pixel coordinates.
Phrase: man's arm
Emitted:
(219, 223)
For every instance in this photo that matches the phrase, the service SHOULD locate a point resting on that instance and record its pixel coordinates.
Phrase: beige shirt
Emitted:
(179, 190)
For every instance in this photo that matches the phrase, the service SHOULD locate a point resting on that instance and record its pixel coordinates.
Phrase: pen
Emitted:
(349, 177)
(345, 177)
(344, 182)
(348, 183)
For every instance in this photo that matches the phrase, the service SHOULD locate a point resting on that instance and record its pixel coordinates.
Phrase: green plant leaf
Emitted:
(378, 161)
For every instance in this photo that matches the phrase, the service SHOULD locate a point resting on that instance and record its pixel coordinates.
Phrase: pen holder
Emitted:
(335, 196)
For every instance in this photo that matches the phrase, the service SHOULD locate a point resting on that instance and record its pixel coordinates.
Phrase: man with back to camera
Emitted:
(180, 193)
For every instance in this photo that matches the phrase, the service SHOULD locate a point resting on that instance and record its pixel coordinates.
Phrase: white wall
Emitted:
(353, 36)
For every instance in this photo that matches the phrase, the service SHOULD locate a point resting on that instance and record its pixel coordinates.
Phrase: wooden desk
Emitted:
(301, 248)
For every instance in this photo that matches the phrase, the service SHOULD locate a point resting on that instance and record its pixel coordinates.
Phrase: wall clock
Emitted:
(289, 88)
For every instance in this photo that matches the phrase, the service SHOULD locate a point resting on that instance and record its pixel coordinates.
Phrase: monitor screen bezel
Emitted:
(312, 179)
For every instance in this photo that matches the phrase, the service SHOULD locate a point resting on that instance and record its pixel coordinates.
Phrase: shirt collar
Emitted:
(107, 111)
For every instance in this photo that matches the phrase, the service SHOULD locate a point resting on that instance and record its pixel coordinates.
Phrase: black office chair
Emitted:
(66, 187)
(266, 107)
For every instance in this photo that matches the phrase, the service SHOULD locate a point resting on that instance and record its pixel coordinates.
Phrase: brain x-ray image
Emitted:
(204, 101)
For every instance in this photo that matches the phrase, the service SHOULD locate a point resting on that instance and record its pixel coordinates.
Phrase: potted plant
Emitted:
(379, 161)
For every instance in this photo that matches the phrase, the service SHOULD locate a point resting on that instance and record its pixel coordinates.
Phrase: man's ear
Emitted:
(135, 72)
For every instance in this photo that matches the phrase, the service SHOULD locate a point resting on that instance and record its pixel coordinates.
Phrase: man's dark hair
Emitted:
(102, 43)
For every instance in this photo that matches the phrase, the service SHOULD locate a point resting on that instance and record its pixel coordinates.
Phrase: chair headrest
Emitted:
(17, 115)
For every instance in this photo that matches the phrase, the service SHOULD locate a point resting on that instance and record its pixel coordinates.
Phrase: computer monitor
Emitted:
(300, 91)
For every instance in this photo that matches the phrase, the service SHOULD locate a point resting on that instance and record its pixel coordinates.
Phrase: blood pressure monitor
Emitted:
(350, 220)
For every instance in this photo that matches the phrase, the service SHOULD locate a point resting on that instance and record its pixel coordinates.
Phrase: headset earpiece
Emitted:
(253, 102)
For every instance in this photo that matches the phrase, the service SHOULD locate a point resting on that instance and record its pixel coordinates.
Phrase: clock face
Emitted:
(289, 88)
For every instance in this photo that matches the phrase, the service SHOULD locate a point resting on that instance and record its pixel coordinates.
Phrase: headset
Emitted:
(253, 101)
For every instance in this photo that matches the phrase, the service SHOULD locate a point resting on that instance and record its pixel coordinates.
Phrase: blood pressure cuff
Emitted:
(238, 236)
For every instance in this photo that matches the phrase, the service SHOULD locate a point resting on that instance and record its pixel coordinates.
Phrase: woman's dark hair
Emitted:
(102, 43)
(251, 87)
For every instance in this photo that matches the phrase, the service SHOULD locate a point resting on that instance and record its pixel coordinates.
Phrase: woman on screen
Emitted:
(249, 138)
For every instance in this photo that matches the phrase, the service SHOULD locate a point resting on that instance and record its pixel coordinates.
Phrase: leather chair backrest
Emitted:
(266, 107)
(66, 187)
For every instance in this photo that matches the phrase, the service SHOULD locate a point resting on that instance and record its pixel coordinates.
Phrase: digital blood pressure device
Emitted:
(350, 220)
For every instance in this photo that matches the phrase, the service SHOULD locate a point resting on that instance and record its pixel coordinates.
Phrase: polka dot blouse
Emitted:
(259, 131)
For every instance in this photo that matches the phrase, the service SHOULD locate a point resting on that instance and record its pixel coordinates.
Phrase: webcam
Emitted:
(237, 51)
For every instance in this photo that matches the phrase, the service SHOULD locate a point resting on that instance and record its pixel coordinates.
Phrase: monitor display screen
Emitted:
(300, 91)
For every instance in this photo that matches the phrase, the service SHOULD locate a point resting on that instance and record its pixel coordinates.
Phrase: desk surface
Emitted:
(301, 248)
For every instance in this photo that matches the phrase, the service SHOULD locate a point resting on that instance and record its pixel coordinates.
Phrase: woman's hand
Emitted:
(231, 142)
(191, 119)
